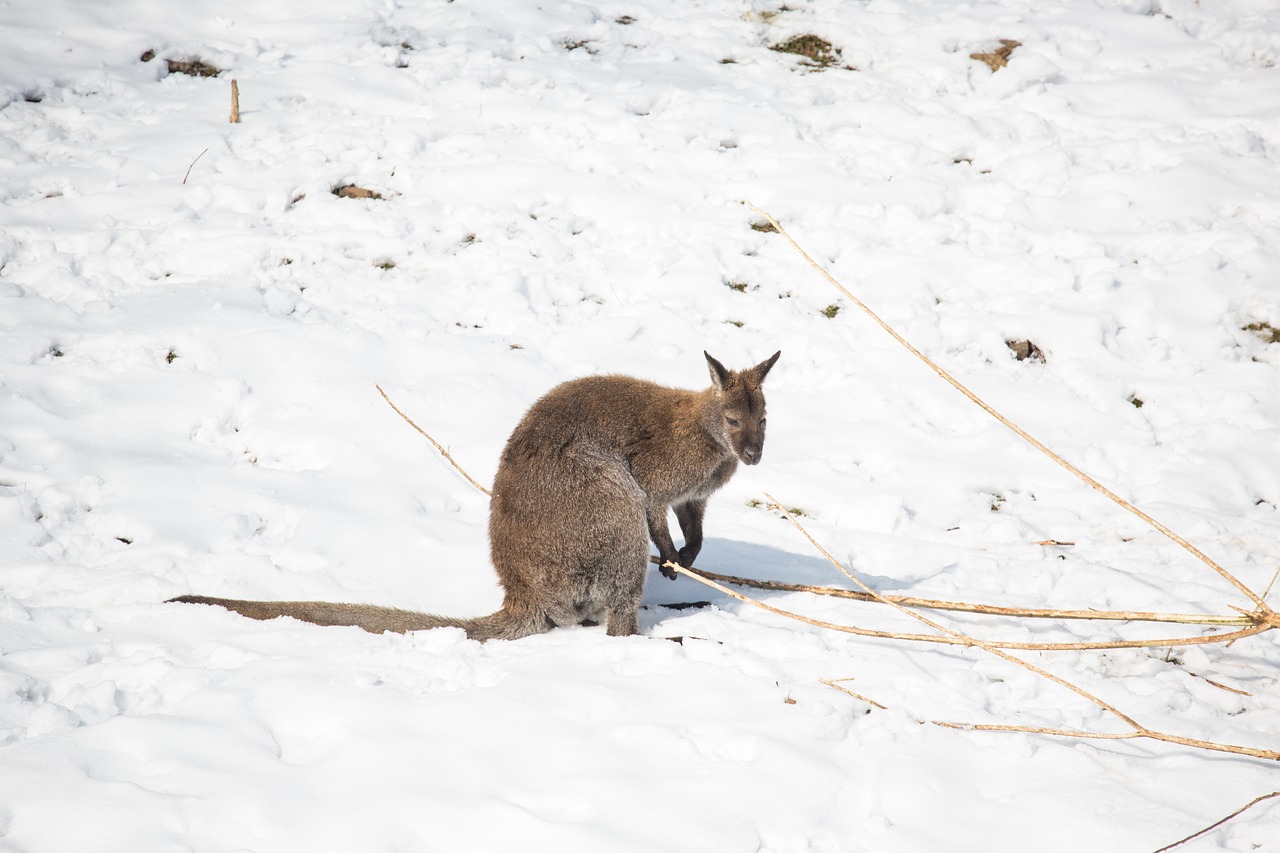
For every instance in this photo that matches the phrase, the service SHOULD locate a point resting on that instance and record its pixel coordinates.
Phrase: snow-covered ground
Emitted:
(192, 324)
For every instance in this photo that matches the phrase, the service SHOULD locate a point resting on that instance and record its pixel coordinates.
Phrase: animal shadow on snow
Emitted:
(749, 560)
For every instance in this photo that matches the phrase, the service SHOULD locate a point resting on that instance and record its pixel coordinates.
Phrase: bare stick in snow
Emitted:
(984, 609)
(952, 638)
(439, 448)
(1214, 826)
(193, 163)
(1139, 730)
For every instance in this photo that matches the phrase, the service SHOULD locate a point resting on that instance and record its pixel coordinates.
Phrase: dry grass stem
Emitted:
(952, 638)
(1235, 690)
(1267, 592)
(835, 683)
(1139, 730)
(235, 102)
(193, 165)
(1219, 823)
(984, 609)
(436, 444)
(1264, 612)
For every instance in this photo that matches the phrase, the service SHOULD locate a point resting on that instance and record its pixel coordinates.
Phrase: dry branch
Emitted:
(235, 102)
(435, 443)
(953, 638)
(835, 683)
(193, 164)
(985, 609)
(1139, 730)
(1219, 823)
(1264, 612)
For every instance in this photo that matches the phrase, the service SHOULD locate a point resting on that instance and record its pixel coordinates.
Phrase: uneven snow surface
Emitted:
(192, 324)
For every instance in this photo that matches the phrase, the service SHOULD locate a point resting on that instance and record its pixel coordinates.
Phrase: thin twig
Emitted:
(235, 102)
(985, 609)
(1272, 582)
(974, 398)
(1219, 823)
(1139, 729)
(437, 444)
(193, 164)
(952, 638)
(1235, 690)
(835, 682)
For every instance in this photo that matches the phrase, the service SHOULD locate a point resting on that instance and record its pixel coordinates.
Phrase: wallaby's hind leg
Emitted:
(622, 622)
(577, 550)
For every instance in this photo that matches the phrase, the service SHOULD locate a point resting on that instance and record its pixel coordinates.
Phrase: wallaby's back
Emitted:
(584, 483)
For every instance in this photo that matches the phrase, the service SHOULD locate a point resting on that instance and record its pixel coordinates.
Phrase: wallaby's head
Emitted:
(741, 409)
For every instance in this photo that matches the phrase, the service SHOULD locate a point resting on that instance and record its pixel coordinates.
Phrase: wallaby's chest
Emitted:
(673, 474)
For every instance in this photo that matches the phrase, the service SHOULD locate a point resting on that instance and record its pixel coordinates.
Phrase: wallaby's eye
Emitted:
(731, 422)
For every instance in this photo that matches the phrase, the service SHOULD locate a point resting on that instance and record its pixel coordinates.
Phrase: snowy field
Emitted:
(192, 324)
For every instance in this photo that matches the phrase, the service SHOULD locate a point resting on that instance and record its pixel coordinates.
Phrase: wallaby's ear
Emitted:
(761, 370)
(719, 375)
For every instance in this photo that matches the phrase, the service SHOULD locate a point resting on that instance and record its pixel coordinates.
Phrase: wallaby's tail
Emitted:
(503, 625)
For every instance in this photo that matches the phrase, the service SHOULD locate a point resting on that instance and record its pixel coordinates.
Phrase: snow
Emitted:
(192, 325)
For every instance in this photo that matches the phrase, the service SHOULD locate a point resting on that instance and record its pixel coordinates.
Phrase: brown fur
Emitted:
(584, 483)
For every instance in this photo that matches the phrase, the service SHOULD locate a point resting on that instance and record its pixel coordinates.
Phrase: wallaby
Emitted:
(584, 483)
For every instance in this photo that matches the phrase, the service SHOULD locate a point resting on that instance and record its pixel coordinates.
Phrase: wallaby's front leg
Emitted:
(661, 536)
(689, 514)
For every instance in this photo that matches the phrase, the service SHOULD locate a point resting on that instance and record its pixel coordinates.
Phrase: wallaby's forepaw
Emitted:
(668, 573)
(688, 555)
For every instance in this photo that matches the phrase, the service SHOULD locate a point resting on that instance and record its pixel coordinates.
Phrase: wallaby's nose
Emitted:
(750, 455)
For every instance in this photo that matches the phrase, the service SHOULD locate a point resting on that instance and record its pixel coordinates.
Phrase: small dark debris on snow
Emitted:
(998, 58)
(625, 20)
(1136, 401)
(147, 56)
(574, 44)
(353, 191)
(171, 357)
(1025, 351)
(831, 311)
(194, 67)
(764, 227)
(818, 52)
(1267, 332)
